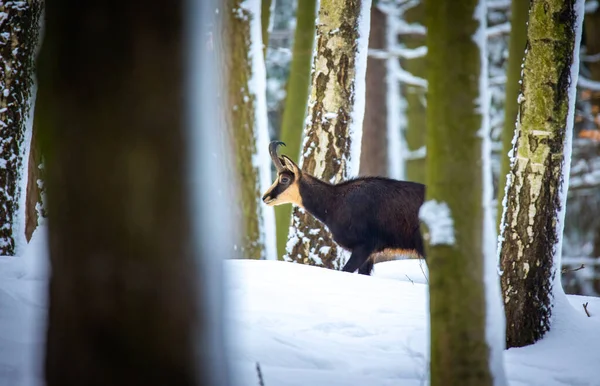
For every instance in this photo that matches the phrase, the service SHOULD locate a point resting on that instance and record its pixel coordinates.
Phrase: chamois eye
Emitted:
(284, 180)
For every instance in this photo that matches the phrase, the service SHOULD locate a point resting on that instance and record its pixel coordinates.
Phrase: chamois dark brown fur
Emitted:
(365, 215)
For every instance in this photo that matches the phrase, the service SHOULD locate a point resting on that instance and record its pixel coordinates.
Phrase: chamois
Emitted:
(365, 215)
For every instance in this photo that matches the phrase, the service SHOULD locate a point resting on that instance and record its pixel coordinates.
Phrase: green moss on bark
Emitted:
(241, 126)
(459, 352)
(530, 233)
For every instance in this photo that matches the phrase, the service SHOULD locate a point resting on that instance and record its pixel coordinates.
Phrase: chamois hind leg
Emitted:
(367, 267)
(357, 259)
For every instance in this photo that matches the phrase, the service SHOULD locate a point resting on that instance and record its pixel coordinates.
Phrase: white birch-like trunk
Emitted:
(332, 136)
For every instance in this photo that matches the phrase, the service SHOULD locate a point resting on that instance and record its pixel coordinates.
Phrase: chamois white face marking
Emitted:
(285, 189)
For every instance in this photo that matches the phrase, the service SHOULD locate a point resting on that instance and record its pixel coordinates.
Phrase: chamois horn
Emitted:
(273, 152)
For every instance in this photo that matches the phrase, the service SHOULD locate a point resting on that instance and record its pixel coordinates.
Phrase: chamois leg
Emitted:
(367, 267)
(357, 259)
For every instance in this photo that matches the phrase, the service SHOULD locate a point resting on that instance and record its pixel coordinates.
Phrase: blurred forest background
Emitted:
(394, 123)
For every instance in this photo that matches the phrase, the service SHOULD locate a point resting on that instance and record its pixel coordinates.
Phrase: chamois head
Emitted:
(285, 189)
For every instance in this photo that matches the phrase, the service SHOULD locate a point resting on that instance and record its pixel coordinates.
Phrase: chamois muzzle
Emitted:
(273, 152)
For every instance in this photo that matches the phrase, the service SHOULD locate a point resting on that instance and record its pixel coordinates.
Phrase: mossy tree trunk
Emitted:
(516, 49)
(123, 301)
(460, 354)
(415, 97)
(294, 114)
(19, 30)
(265, 21)
(532, 223)
(373, 154)
(247, 128)
(328, 148)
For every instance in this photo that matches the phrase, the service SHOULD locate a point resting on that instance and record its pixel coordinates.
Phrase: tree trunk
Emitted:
(592, 43)
(19, 30)
(531, 228)
(373, 155)
(415, 95)
(333, 134)
(265, 21)
(518, 38)
(248, 128)
(296, 100)
(453, 215)
(123, 298)
(34, 206)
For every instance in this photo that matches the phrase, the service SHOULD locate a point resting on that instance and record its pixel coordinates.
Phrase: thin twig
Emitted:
(409, 278)
(565, 270)
(586, 310)
(261, 382)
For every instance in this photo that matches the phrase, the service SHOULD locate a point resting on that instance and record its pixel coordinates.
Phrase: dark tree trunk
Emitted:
(18, 41)
(34, 206)
(532, 221)
(122, 295)
(374, 155)
(460, 353)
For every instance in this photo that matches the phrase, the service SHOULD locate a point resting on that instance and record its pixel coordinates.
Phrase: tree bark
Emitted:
(328, 138)
(296, 100)
(34, 206)
(415, 96)
(531, 228)
(518, 39)
(123, 301)
(265, 21)
(374, 155)
(459, 351)
(19, 29)
(245, 126)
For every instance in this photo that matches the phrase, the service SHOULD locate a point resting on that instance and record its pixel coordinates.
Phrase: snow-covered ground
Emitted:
(311, 326)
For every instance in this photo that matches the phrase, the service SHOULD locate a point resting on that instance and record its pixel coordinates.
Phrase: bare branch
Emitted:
(498, 29)
(586, 310)
(565, 270)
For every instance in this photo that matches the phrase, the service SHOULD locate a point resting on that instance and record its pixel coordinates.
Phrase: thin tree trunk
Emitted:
(373, 155)
(335, 120)
(247, 125)
(416, 114)
(453, 214)
(531, 228)
(518, 39)
(123, 302)
(298, 87)
(265, 21)
(19, 32)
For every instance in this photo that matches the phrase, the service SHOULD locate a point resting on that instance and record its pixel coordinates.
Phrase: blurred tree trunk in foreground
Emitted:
(19, 31)
(328, 145)
(296, 99)
(532, 223)
(518, 38)
(373, 154)
(122, 295)
(453, 214)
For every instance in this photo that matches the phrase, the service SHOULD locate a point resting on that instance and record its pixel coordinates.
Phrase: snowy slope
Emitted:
(311, 326)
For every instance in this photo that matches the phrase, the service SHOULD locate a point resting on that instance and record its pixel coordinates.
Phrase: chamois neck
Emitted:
(317, 196)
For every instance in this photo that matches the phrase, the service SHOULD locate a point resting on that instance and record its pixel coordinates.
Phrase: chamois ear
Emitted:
(289, 164)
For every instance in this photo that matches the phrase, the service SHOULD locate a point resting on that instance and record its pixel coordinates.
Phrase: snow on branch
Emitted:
(497, 80)
(408, 78)
(498, 29)
(399, 52)
(440, 225)
(593, 85)
(591, 6)
(498, 5)
(404, 28)
(590, 58)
